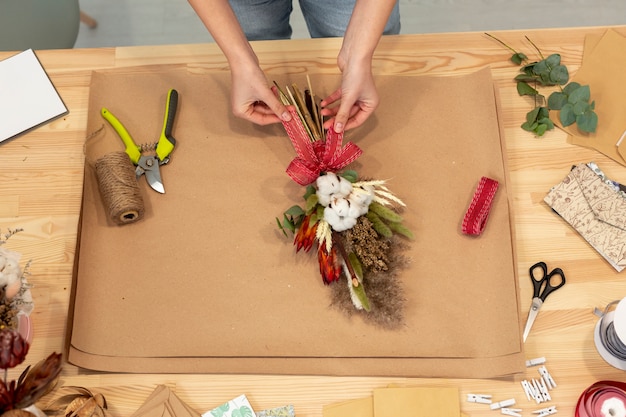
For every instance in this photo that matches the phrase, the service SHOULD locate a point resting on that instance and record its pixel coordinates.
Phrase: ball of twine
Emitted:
(119, 188)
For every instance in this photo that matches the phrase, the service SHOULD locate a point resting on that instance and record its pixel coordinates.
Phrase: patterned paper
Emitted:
(286, 411)
(237, 407)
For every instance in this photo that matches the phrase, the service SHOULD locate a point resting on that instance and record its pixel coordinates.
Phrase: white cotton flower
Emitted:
(328, 184)
(3, 261)
(341, 206)
(3, 279)
(345, 187)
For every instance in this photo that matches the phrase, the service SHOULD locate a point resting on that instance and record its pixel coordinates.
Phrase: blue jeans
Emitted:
(269, 19)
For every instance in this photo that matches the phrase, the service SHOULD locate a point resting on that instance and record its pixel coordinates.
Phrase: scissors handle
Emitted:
(132, 150)
(543, 286)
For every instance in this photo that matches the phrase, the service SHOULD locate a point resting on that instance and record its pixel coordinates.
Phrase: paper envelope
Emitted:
(595, 209)
(164, 403)
(206, 282)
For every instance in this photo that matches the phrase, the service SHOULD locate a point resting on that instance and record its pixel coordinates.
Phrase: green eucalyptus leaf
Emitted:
(588, 121)
(295, 211)
(559, 75)
(583, 93)
(541, 129)
(546, 121)
(518, 58)
(531, 116)
(557, 100)
(350, 174)
(524, 89)
(553, 60)
(525, 77)
(580, 107)
(567, 115)
(569, 88)
(541, 67)
(309, 190)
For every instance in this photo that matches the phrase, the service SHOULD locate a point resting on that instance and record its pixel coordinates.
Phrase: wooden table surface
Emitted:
(41, 184)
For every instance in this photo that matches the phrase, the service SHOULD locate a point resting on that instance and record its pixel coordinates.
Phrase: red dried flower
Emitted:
(13, 348)
(330, 269)
(305, 235)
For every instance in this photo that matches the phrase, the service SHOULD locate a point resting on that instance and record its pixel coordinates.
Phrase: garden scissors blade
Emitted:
(542, 287)
(149, 165)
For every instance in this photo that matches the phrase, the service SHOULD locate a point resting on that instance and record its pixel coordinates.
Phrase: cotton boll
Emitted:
(340, 206)
(12, 266)
(331, 217)
(356, 210)
(323, 199)
(3, 279)
(345, 187)
(328, 184)
(3, 261)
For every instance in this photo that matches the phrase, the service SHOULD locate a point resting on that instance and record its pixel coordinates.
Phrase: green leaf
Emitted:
(525, 77)
(580, 107)
(356, 266)
(569, 88)
(588, 121)
(567, 115)
(541, 67)
(553, 60)
(583, 93)
(559, 75)
(295, 211)
(524, 89)
(531, 116)
(557, 100)
(546, 121)
(518, 58)
(309, 190)
(311, 202)
(359, 291)
(541, 129)
(350, 174)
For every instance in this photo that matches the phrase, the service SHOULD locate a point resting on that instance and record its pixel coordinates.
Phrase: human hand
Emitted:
(252, 99)
(357, 97)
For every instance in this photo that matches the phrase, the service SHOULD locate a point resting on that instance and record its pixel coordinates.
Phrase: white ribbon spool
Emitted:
(610, 334)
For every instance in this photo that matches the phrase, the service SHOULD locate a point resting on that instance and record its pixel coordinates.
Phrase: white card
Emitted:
(27, 96)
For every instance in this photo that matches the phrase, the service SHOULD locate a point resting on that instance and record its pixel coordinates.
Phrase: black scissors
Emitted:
(542, 288)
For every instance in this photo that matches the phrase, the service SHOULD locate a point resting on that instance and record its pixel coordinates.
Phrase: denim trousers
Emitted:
(269, 19)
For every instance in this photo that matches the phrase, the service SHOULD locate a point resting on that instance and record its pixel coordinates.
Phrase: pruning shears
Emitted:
(149, 164)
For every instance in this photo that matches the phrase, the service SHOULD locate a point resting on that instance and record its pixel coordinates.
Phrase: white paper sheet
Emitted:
(27, 96)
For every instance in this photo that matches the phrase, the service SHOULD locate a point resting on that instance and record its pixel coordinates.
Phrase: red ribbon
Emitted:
(315, 157)
(475, 218)
(592, 399)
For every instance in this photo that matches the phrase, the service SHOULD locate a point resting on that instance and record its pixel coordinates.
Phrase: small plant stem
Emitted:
(535, 46)
(501, 43)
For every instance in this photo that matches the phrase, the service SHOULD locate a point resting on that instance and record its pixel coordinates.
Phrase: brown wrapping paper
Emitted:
(207, 283)
(603, 70)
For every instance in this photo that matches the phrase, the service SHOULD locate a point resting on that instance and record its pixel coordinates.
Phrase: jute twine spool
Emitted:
(119, 188)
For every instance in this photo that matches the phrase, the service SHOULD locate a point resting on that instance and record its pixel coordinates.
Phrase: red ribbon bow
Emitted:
(315, 157)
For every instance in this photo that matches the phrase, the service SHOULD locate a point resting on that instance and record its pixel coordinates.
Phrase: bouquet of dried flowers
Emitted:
(17, 396)
(355, 221)
(16, 301)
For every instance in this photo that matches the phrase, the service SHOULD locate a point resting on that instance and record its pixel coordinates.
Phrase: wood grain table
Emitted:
(41, 177)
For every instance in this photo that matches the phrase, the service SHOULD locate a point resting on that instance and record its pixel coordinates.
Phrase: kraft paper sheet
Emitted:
(603, 70)
(206, 282)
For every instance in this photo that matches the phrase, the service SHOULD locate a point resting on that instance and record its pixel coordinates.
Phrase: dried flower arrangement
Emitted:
(16, 301)
(356, 222)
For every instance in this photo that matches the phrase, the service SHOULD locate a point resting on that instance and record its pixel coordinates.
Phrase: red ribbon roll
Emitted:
(315, 157)
(600, 398)
(477, 213)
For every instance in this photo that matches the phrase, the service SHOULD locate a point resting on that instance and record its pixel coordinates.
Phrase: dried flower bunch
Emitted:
(15, 296)
(356, 222)
(33, 383)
